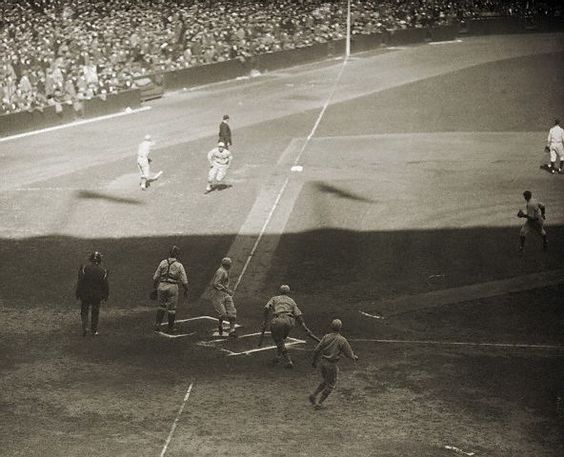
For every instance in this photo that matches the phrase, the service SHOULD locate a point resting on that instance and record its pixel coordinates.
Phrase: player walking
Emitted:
(285, 313)
(555, 146)
(327, 354)
(225, 132)
(92, 287)
(219, 159)
(222, 298)
(535, 215)
(166, 278)
(143, 162)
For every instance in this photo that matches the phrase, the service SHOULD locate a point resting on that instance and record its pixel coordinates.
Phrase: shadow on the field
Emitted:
(340, 193)
(89, 195)
(346, 265)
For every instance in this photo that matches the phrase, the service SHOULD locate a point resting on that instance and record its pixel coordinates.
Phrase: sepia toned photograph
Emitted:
(282, 228)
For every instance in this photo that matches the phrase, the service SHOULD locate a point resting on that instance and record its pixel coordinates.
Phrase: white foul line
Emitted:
(261, 234)
(74, 124)
(174, 425)
(462, 343)
(281, 192)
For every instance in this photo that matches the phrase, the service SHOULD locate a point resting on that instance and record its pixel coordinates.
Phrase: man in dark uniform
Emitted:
(92, 288)
(285, 314)
(225, 131)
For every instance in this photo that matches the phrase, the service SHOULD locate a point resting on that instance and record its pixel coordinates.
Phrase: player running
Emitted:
(327, 353)
(219, 159)
(143, 162)
(285, 313)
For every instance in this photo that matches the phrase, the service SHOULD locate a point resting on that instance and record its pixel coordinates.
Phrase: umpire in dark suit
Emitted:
(225, 132)
(92, 288)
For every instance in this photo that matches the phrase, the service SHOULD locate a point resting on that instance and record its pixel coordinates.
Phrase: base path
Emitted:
(410, 303)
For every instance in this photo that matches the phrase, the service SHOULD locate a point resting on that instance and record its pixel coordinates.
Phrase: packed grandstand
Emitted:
(56, 52)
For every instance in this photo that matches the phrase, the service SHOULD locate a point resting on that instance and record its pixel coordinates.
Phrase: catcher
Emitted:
(535, 215)
(285, 314)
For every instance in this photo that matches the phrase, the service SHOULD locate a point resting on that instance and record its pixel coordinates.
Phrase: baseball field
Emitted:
(383, 190)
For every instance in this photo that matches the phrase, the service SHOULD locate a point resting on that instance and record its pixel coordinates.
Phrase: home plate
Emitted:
(298, 168)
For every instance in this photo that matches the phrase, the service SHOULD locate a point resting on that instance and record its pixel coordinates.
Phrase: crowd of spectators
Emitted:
(55, 52)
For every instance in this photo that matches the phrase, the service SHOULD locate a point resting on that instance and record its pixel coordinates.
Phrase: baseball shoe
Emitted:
(552, 170)
(319, 406)
(290, 364)
(95, 333)
(220, 330)
(156, 328)
(233, 334)
(312, 399)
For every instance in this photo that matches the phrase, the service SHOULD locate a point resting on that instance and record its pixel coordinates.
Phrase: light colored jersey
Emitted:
(534, 210)
(217, 157)
(282, 304)
(331, 347)
(143, 150)
(555, 136)
(220, 280)
(174, 274)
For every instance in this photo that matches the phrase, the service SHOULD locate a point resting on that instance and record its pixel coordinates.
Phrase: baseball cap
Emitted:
(221, 144)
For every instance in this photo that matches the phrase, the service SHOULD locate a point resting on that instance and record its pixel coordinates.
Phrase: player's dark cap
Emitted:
(527, 194)
(284, 289)
(556, 121)
(226, 117)
(95, 257)
(174, 251)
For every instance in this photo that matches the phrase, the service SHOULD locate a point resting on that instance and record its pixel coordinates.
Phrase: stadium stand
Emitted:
(62, 52)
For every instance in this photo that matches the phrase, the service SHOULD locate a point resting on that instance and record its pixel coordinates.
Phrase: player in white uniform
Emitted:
(143, 162)
(535, 215)
(555, 145)
(219, 159)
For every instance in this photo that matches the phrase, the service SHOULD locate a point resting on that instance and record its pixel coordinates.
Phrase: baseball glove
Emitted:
(546, 149)
(520, 213)
(154, 294)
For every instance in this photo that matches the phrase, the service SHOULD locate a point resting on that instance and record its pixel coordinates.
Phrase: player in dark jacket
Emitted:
(92, 287)
(225, 131)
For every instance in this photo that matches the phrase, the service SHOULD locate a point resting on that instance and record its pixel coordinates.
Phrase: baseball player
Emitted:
(285, 313)
(92, 287)
(222, 298)
(327, 355)
(219, 159)
(168, 275)
(555, 146)
(535, 215)
(143, 162)
(225, 132)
